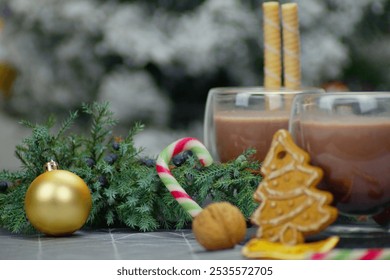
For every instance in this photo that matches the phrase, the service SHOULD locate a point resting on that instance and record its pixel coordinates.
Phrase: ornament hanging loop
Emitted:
(51, 165)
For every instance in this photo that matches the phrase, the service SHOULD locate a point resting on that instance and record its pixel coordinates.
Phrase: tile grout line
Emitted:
(137, 234)
(39, 255)
(114, 245)
(194, 256)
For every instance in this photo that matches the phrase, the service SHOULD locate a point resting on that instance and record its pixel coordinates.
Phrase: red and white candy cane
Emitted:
(353, 254)
(167, 178)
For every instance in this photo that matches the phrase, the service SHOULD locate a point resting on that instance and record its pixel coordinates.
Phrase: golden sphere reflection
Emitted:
(58, 202)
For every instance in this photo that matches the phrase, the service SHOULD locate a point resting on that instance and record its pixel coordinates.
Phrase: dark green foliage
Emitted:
(126, 190)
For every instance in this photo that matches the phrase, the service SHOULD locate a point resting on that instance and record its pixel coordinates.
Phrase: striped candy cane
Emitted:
(353, 254)
(167, 178)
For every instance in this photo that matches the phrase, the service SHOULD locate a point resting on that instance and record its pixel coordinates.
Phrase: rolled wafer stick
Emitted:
(291, 46)
(167, 178)
(272, 45)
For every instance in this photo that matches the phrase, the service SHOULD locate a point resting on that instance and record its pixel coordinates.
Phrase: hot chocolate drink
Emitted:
(236, 131)
(354, 153)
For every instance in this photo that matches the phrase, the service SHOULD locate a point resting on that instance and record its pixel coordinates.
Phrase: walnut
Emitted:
(219, 226)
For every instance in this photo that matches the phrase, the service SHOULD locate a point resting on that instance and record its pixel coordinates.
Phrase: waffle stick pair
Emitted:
(273, 53)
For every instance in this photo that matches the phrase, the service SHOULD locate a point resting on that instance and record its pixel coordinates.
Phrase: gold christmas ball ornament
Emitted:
(57, 202)
(220, 225)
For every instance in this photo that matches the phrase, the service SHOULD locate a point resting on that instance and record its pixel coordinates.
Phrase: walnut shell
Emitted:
(219, 226)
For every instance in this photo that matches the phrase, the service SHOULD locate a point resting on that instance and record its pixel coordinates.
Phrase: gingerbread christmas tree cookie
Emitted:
(291, 206)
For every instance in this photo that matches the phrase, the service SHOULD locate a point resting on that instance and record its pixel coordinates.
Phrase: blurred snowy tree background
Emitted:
(155, 60)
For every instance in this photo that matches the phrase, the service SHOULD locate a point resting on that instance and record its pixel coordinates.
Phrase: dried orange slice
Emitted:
(264, 249)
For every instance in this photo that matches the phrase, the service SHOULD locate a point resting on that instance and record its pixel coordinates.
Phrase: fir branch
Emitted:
(27, 124)
(50, 122)
(102, 121)
(20, 155)
(66, 125)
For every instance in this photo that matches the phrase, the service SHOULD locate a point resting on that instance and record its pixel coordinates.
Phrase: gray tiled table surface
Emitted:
(111, 244)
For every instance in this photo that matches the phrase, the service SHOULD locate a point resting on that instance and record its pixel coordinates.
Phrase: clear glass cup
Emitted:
(347, 135)
(239, 118)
